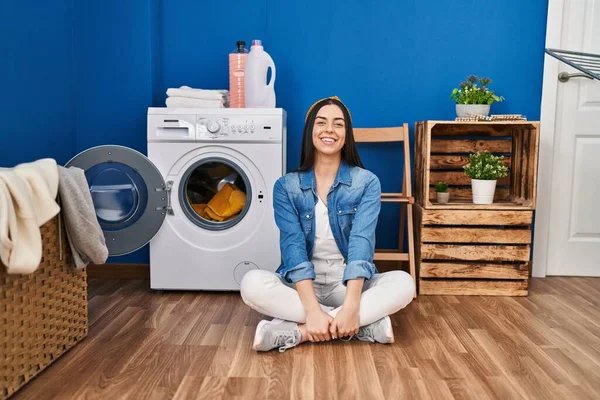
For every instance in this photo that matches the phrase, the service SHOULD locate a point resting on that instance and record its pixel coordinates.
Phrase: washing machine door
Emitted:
(129, 194)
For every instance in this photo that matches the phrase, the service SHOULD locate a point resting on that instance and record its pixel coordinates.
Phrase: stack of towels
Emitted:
(187, 97)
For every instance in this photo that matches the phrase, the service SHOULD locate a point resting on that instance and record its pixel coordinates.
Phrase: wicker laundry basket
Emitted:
(43, 314)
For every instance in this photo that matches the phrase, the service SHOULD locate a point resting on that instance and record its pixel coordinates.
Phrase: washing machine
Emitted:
(202, 198)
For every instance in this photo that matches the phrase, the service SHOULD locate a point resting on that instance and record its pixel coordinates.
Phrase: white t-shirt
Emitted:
(325, 248)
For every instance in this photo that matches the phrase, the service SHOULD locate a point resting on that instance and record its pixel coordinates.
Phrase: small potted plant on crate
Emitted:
(472, 99)
(485, 169)
(441, 189)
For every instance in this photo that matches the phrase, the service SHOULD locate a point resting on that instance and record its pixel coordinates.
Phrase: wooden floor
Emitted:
(144, 345)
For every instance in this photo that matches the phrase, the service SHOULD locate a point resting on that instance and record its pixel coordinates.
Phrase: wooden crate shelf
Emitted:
(473, 252)
(442, 148)
(473, 287)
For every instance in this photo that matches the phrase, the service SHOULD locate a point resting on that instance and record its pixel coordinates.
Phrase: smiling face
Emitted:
(329, 130)
(328, 134)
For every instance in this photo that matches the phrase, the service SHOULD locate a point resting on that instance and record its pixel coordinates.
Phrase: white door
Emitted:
(570, 152)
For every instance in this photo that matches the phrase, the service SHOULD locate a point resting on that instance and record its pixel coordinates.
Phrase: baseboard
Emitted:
(142, 271)
(119, 271)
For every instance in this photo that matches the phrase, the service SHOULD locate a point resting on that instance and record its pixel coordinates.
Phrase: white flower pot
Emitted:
(443, 197)
(466, 110)
(483, 191)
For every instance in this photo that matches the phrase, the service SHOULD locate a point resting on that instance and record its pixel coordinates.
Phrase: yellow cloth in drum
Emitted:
(224, 205)
(201, 210)
(229, 201)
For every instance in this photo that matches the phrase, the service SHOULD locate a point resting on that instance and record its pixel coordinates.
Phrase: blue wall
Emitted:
(389, 62)
(36, 75)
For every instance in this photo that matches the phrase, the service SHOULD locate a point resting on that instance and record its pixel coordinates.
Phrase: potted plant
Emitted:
(484, 169)
(473, 99)
(441, 189)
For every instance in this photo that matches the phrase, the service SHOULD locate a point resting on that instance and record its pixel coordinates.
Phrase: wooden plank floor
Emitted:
(143, 345)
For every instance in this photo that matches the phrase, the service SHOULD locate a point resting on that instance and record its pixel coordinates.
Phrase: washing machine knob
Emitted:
(213, 126)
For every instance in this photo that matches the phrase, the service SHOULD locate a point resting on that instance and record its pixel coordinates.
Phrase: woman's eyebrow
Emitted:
(335, 119)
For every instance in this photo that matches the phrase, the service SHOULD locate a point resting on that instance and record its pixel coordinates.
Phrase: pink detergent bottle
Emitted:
(237, 62)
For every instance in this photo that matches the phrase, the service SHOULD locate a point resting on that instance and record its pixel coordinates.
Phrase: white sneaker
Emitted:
(379, 331)
(276, 333)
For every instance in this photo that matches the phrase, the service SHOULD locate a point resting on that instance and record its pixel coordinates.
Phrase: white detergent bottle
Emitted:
(259, 94)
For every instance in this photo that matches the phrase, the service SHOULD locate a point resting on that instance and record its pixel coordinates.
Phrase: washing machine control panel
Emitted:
(237, 128)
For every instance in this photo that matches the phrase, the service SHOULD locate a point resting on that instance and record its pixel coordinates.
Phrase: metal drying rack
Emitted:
(587, 63)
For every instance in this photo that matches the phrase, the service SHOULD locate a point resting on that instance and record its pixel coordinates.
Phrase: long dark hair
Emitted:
(349, 151)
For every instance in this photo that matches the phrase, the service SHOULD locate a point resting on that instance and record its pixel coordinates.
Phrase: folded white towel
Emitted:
(204, 94)
(27, 201)
(186, 102)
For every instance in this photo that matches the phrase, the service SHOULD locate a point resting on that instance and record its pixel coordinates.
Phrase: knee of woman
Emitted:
(250, 283)
(405, 285)
(253, 285)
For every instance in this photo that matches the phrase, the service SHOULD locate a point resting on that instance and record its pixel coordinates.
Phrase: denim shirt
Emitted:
(353, 203)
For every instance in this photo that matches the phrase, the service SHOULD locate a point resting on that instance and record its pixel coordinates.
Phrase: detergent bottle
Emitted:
(259, 93)
(237, 61)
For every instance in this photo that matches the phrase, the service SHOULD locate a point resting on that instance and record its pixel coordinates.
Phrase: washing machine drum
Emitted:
(129, 195)
(216, 193)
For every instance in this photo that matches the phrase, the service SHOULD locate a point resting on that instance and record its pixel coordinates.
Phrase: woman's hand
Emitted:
(346, 322)
(317, 325)
(317, 320)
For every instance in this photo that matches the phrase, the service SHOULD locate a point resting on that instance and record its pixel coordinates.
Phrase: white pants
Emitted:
(383, 294)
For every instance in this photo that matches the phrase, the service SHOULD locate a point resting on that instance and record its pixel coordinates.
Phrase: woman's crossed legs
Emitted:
(384, 294)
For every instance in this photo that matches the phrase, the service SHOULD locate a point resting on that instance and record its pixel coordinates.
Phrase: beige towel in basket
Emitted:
(27, 201)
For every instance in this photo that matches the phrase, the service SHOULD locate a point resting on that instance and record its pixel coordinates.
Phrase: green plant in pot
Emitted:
(485, 169)
(474, 97)
(441, 189)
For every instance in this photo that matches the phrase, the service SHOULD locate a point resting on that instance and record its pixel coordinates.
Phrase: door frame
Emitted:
(554, 30)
